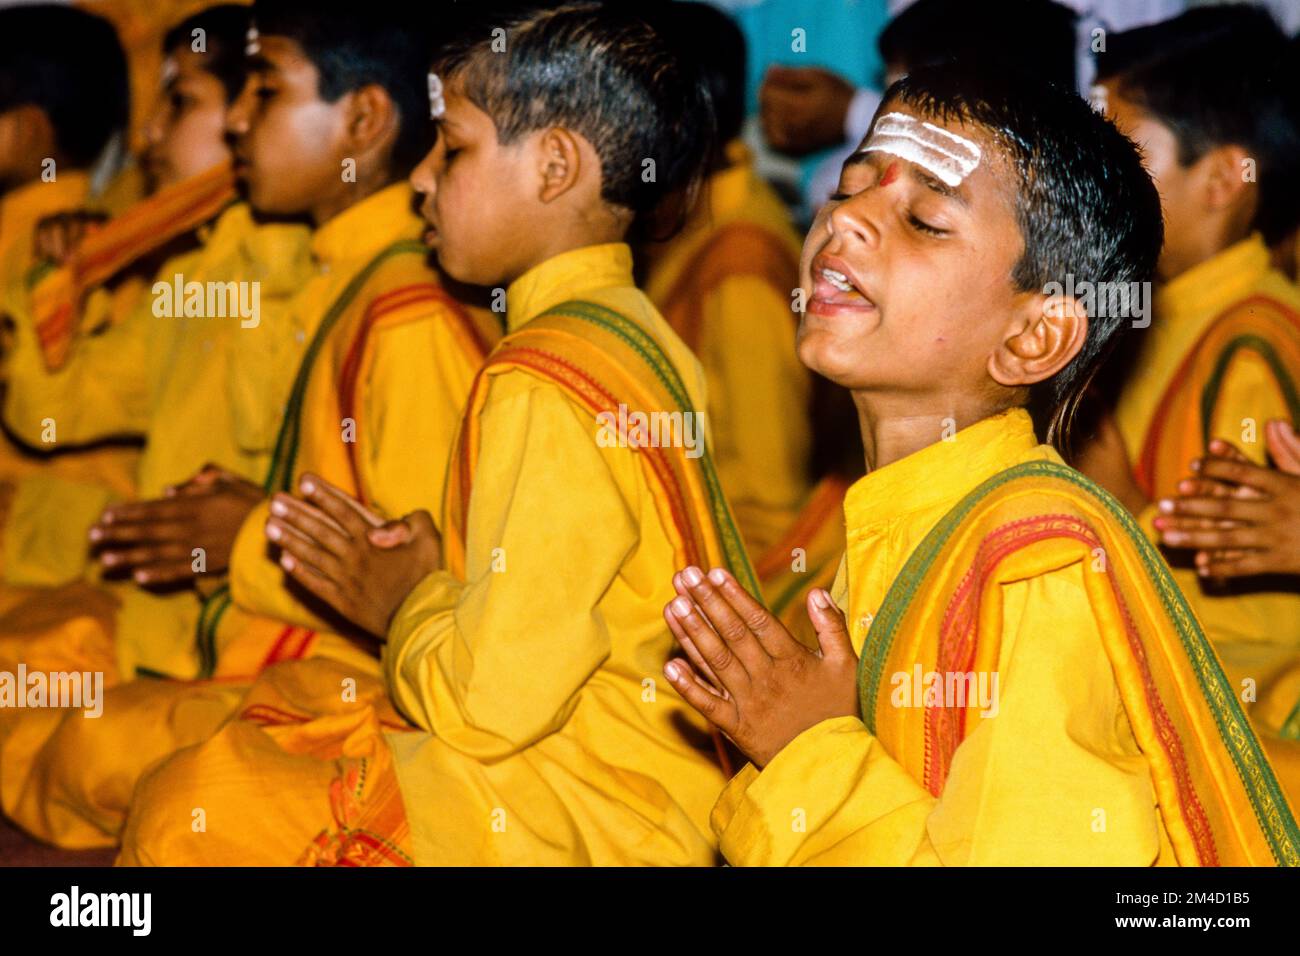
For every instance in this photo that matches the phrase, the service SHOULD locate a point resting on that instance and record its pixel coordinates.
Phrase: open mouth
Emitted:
(839, 280)
(835, 289)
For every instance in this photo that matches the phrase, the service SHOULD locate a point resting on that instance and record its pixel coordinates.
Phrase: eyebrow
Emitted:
(258, 63)
(863, 158)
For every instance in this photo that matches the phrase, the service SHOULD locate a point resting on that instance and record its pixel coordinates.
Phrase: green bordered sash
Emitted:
(1180, 428)
(603, 359)
(279, 475)
(1221, 801)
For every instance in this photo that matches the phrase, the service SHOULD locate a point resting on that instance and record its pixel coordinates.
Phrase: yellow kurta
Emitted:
(1256, 631)
(173, 378)
(550, 737)
(413, 367)
(1025, 784)
(738, 318)
(20, 210)
(416, 354)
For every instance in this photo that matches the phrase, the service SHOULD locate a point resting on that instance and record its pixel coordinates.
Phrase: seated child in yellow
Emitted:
(61, 161)
(1006, 673)
(388, 357)
(1221, 357)
(527, 641)
(201, 269)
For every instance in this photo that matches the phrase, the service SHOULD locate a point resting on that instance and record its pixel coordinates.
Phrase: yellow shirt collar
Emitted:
(360, 231)
(1213, 285)
(940, 472)
(567, 276)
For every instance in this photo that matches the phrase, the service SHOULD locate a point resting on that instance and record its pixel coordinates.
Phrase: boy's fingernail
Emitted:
(279, 508)
(821, 598)
(1160, 524)
(1173, 537)
(1167, 506)
(671, 670)
(96, 533)
(307, 486)
(108, 557)
(718, 576)
(681, 607)
(692, 576)
(273, 531)
(287, 562)
(1196, 464)
(141, 576)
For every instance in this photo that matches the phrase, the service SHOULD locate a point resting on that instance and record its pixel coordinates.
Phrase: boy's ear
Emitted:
(33, 129)
(371, 122)
(559, 158)
(1226, 174)
(1047, 332)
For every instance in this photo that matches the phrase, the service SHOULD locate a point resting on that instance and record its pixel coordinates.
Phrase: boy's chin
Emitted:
(819, 354)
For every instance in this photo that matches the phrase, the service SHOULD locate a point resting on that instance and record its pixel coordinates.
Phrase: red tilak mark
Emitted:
(890, 175)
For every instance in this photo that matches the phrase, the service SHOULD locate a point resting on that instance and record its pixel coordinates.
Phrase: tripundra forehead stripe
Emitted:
(946, 156)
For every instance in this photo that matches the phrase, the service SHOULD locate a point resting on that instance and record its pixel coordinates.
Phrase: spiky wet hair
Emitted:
(601, 70)
(1085, 204)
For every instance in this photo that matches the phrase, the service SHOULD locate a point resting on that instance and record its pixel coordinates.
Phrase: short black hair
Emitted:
(70, 64)
(1218, 77)
(603, 71)
(713, 42)
(356, 44)
(225, 32)
(1085, 204)
(1037, 35)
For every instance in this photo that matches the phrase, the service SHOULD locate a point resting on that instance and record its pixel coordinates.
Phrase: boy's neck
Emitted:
(345, 198)
(895, 426)
(1211, 246)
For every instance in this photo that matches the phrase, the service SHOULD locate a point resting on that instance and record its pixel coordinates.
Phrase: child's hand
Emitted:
(751, 678)
(1242, 518)
(156, 540)
(58, 236)
(351, 558)
(802, 108)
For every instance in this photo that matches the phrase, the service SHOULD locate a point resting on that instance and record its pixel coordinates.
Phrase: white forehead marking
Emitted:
(437, 105)
(169, 71)
(252, 45)
(948, 157)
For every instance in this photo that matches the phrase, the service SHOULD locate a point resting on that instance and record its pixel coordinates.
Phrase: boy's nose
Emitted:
(422, 179)
(238, 112)
(153, 130)
(853, 219)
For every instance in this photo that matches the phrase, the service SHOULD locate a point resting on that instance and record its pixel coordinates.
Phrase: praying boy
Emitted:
(1006, 672)
(64, 102)
(524, 640)
(332, 116)
(1204, 97)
